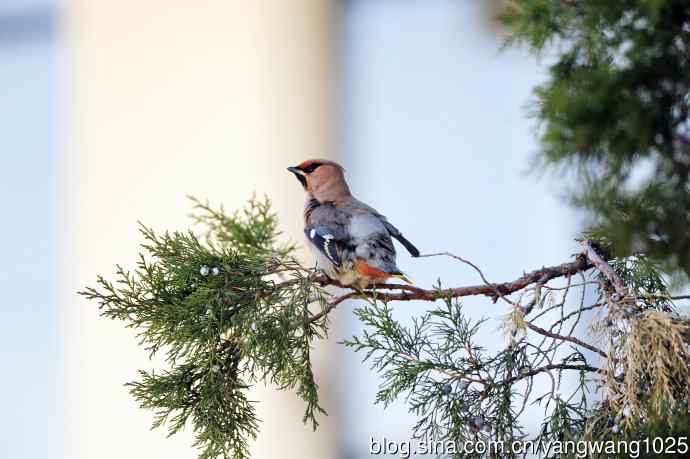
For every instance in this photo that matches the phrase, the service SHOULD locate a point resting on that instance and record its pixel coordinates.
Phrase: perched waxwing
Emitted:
(351, 240)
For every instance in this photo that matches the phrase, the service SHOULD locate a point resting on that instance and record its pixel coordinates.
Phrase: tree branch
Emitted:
(492, 290)
(598, 261)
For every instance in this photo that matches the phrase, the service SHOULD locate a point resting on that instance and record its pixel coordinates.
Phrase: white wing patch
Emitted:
(325, 241)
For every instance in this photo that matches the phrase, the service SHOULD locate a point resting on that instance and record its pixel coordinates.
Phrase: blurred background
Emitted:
(113, 111)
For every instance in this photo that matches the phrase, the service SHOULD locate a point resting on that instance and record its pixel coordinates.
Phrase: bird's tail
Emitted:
(402, 277)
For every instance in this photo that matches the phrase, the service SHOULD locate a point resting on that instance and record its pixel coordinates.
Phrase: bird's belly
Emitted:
(349, 277)
(347, 273)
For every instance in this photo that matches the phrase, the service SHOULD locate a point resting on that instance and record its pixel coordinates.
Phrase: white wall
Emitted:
(165, 99)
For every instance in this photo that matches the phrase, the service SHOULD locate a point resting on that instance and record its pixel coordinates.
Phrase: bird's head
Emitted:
(324, 179)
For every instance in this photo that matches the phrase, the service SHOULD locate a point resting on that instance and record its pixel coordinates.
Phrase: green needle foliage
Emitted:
(456, 392)
(230, 307)
(225, 313)
(636, 383)
(615, 109)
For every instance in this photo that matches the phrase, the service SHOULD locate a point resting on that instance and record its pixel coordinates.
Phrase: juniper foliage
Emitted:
(231, 307)
(227, 309)
(632, 367)
(615, 109)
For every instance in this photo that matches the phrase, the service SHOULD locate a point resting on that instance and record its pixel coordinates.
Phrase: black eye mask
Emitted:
(311, 168)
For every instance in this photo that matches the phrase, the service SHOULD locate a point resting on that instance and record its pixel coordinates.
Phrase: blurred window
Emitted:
(28, 337)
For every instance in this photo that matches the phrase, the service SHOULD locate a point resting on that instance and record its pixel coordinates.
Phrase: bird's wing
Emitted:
(326, 240)
(394, 232)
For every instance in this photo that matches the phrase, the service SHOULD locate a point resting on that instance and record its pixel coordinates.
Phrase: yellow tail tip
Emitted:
(403, 278)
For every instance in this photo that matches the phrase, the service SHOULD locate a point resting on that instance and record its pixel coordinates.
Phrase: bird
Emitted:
(352, 241)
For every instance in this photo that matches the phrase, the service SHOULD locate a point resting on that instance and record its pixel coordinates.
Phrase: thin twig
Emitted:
(552, 366)
(668, 297)
(571, 339)
(451, 374)
(576, 312)
(473, 266)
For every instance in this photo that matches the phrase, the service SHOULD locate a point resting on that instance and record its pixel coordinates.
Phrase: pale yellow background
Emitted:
(212, 98)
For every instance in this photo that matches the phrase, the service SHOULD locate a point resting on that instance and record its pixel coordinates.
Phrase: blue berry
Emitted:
(447, 389)
(478, 422)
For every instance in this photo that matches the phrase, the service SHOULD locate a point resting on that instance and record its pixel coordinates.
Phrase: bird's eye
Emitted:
(311, 167)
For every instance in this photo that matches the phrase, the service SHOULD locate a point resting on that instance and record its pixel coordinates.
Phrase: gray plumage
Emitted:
(343, 231)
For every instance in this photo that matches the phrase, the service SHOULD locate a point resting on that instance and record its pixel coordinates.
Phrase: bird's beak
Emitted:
(300, 176)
